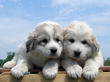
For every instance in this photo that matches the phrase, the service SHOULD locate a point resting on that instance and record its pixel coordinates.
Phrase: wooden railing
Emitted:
(36, 76)
(104, 68)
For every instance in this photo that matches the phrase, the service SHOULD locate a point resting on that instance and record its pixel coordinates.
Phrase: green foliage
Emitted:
(9, 57)
(107, 62)
(1, 62)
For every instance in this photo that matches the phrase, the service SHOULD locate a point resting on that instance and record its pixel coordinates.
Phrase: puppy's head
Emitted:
(46, 40)
(79, 41)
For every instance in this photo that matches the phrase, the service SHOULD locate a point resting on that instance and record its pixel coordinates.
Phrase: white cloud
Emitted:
(14, 29)
(63, 13)
(13, 39)
(2, 0)
(99, 21)
(57, 2)
(102, 16)
(76, 9)
(80, 2)
(1, 5)
(102, 31)
(9, 0)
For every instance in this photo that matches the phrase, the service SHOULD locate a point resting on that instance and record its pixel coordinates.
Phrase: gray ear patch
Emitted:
(30, 45)
(95, 45)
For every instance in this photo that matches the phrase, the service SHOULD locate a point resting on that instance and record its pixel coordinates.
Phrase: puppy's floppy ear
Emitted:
(95, 45)
(30, 44)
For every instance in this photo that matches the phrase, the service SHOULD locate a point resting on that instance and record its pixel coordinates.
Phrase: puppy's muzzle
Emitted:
(77, 53)
(53, 50)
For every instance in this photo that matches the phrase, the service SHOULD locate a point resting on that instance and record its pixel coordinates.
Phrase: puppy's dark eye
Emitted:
(44, 41)
(71, 40)
(57, 39)
(84, 42)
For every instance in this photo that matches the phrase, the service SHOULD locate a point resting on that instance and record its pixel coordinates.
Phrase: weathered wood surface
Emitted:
(104, 68)
(5, 76)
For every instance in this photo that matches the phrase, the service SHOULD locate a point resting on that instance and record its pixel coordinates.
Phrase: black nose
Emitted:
(77, 53)
(53, 50)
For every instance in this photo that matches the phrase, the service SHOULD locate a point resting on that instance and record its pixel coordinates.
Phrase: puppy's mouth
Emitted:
(77, 58)
(74, 57)
(53, 56)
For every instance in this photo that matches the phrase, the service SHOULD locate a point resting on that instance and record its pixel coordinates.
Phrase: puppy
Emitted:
(42, 48)
(81, 51)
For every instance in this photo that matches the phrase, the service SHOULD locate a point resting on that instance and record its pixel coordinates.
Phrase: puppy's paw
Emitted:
(74, 72)
(9, 64)
(18, 71)
(50, 73)
(90, 72)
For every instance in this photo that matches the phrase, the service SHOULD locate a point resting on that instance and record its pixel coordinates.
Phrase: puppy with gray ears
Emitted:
(81, 51)
(42, 48)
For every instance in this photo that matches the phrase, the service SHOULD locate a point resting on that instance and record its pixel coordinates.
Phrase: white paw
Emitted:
(90, 72)
(9, 64)
(49, 73)
(74, 72)
(18, 71)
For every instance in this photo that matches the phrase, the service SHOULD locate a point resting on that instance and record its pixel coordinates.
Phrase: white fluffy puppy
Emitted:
(42, 48)
(81, 51)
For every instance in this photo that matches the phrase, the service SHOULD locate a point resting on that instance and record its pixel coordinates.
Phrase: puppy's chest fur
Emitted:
(79, 61)
(37, 60)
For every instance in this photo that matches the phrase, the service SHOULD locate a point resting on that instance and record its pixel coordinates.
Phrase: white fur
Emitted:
(72, 68)
(41, 56)
(49, 67)
(9, 64)
(90, 54)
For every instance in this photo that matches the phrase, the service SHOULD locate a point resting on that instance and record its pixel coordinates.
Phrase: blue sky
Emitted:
(20, 17)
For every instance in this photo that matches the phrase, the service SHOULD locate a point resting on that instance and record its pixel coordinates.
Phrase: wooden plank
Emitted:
(5, 76)
(102, 77)
(107, 68)
(6, 73)
(4, 70)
